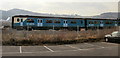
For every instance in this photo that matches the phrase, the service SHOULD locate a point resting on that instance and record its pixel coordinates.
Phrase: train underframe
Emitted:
(60, 28)
(48, 28)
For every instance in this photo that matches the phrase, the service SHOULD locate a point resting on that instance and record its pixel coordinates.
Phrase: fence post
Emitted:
(119, 29)
(98, 30)
(77, 28)
(77, 31)
(53, 27)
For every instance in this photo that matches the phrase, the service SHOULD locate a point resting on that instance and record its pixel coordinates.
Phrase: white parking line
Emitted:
(109, 43)
(10, 52)
(89, 44)
(49, 49)
(20, 49)
(37, 52)
(94, 45)
(73, 47)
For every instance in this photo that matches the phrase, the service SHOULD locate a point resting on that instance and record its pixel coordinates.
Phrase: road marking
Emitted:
(20, 49)
(49, 49)
(10, 52)
(109, 43)
(94, 45)
(73, 47)
(24, 52)
(37, 52)
(89, 44)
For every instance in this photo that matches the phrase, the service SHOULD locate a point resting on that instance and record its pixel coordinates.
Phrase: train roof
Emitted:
(62, 17)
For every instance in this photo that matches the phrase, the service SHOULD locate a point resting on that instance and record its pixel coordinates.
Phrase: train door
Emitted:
(65, 23)
(101, 24)
(40, 22)
(116, 23)
(21, 23)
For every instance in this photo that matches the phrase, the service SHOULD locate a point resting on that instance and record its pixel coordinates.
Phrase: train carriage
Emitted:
(47, 22)
(43, 22)
(101, 23)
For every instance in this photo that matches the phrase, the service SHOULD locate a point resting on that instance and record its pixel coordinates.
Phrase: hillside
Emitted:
(12, 12)
(107, 15)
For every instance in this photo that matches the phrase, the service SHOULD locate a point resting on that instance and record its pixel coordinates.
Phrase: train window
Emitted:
(65, 21)
(108, 22)
(39, 21)
(101, 22)
(30, 20)
(73, 22)
(21, 20)
(111, 22)
(115, 22)
(91, 22)
(119, 23)
(95, 22)
(57, 21)
(18, 20)
(48, 21)
(81, 22)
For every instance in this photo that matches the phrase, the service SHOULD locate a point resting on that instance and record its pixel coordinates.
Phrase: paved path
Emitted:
(81, 49)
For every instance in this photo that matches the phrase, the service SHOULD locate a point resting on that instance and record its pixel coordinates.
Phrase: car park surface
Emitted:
(80, 49)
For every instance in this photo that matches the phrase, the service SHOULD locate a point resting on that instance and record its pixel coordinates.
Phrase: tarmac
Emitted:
(80, 49)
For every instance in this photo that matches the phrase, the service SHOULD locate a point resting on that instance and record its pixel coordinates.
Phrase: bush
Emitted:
(38, 37)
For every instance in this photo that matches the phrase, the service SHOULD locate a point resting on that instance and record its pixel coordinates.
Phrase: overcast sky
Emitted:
(81, 7)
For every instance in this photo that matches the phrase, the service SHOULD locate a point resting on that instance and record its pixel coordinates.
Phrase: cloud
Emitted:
(62, 7)
(82, 8)
(60, 0)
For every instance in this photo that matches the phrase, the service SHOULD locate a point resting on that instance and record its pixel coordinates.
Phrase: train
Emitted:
(30, 22)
